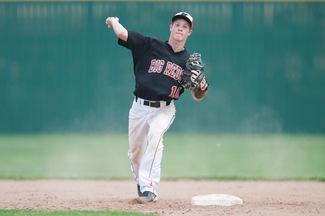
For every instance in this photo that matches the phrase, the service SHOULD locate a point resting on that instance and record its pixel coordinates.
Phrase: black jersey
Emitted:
(157, 68)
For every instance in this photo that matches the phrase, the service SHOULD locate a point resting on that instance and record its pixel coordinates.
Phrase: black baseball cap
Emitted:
(183, 15)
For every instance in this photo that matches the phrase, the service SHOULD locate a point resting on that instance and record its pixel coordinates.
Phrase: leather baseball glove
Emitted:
(193, 75)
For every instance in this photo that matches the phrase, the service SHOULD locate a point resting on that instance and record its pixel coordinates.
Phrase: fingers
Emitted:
(110, 20)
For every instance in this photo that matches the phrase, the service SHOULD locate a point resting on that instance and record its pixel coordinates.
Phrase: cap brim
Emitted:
(182, 17)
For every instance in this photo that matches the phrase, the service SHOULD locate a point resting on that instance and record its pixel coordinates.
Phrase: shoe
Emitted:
(139, 191)
(148, 196)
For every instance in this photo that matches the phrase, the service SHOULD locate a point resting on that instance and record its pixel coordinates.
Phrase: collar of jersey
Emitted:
(170, 47)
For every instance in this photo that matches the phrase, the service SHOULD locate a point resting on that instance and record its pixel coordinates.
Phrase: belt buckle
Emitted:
(155, 104)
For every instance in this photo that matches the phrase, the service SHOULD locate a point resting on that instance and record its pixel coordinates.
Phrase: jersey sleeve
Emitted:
(135, 40)
(137, 43)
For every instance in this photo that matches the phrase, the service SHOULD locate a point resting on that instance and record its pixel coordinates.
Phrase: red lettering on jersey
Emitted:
(156, 66)
(168, 69)
(152, 65)
(178, 74)
(173, 70)
(175, 92)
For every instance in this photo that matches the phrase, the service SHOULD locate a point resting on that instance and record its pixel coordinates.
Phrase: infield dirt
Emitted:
(260, 197)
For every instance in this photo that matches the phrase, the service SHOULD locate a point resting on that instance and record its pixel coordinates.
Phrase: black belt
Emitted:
(155, 104)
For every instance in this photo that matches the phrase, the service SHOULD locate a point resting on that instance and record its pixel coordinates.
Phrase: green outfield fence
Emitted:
(61, 69)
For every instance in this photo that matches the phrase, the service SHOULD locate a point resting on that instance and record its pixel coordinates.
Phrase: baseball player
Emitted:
(158, 67)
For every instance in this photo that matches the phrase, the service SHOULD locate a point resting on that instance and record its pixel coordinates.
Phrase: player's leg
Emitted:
(137, 136)
(149, 173)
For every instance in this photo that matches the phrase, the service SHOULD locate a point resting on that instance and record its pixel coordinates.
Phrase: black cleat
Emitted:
(148, 196)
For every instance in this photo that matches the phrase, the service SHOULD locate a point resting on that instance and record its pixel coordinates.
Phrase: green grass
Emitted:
(275, 157)
(191, 156)
(79, 156)
(194, 156)
(67, 213)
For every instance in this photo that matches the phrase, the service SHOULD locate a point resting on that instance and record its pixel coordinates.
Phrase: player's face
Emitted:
(180, 30)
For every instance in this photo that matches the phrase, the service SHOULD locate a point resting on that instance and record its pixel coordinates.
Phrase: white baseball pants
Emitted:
(147, 126)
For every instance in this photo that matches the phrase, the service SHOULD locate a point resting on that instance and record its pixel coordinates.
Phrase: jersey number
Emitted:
(175, 92)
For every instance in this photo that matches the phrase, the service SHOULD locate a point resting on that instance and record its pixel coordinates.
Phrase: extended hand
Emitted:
(110, 20)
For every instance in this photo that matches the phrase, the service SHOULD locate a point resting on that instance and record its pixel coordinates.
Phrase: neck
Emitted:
(177, 46)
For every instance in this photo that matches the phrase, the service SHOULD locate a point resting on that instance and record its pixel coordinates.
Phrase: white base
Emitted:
(216, 199)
